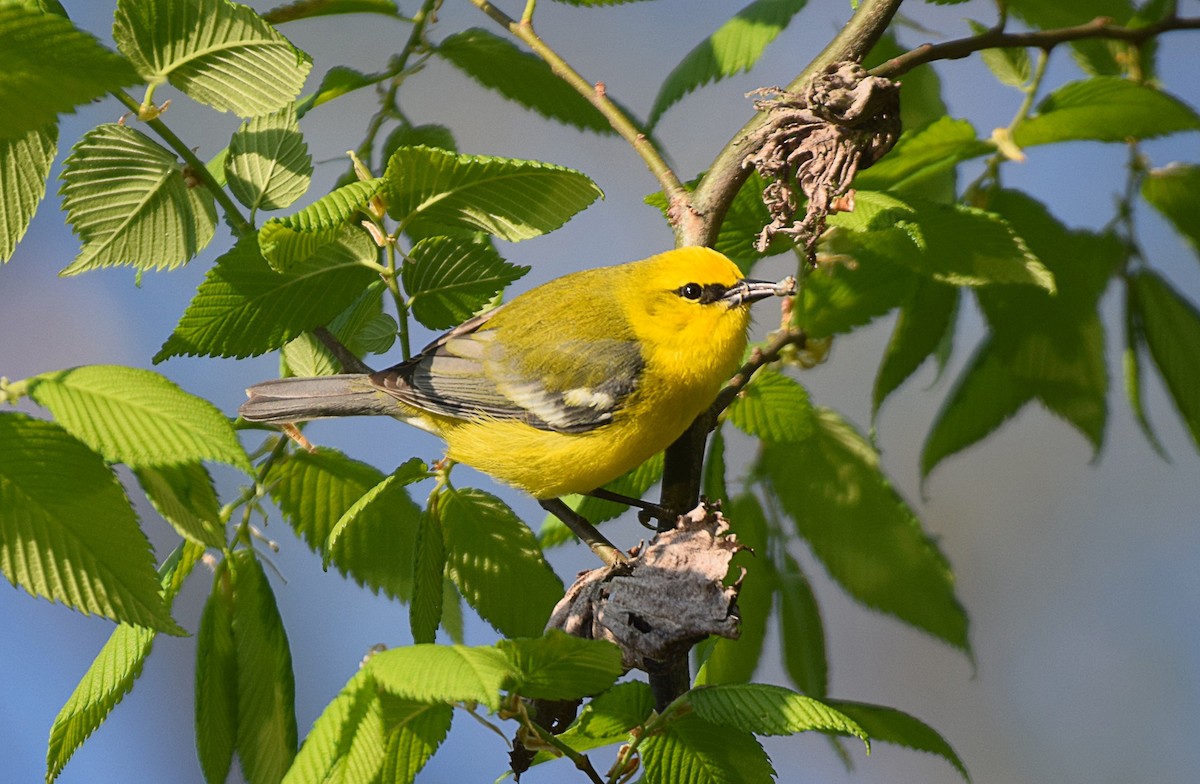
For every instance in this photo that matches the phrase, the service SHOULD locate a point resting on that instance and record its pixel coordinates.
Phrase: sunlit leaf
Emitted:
(510, 199)
(217, 52)
(244, 308)
(1175, 192)
(269, 165)
(1105, 109)
(693, 751)
(112, 673)
(496, 562)
(48, 66)
(442, 673)
(131, 203)
(288, 240)
(67, 532)
(558, 666)
(449, 280)
(888, 725)
(770, 710)
(137, 417)
(24, 167)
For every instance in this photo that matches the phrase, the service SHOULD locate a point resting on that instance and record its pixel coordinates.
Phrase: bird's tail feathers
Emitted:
(299, 399)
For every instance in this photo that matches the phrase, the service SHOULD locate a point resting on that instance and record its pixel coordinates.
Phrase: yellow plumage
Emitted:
(567, 386)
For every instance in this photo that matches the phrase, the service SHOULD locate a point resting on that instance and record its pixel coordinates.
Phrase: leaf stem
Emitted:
(233, 216)
(596, 94)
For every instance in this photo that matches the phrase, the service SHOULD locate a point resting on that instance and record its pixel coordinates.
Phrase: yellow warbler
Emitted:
(567, 386)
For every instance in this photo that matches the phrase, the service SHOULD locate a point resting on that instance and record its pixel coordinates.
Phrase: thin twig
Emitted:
(597, 96)
(1101, 27)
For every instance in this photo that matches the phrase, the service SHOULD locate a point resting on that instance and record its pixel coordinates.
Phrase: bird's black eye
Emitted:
(691, 291)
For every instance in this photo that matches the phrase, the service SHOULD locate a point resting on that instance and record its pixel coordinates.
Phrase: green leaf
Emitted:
(303, 9)
(219, 53)
(1171, 327)
(802, 634)
(67, 532)
(1131, 360)
(429, 570)
(452, 611)
(735, 47)
(608, 718)
(925, 322)
(442, 673)
(558, 666)
(407, 135)
(853, 291)
(25, 163)
(510, 199)
(1105, 109)
(216, 690)
(1046, 347)
(48, 66)
(774, 408)
(375, 539)
(414, 731)
(266, 718)
(985, 395)
(889, 725)
(362, 523)
(770, 710)
(244, 308)
(521, 77)
(449, 280)
(868, 538)
(954, 244)
(734, 661)
(1175, 192)
(305, 356)
(269, 165)
(130, 202)
(496, 562)
(294, 238)
(693, 751)
(713, 484)
(112, 673)
(185, 497)
(137, 417)
(922, 156)
(337, 81)
(346, 741)
(1008, 64)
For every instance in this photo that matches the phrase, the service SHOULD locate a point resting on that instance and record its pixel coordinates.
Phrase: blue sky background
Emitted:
(1079, 572)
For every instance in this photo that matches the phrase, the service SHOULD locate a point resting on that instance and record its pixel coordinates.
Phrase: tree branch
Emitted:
(1101, 27)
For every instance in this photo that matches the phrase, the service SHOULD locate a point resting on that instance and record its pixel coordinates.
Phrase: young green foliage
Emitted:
(496, 562)
(112, 674)
(1105, 109)
(67, 531)
(32, 94)
(244, 308)
(131, 203)
(869, 539)
(736, 46)
(269, 165)
(137, 417)
(219, 53)
(448, 280)
(510, 199)
(24, 168)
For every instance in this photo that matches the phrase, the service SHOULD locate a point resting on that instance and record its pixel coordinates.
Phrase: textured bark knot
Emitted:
(815, 141)
(668, 597)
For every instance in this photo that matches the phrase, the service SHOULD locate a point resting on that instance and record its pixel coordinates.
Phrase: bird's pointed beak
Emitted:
(747, 290)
